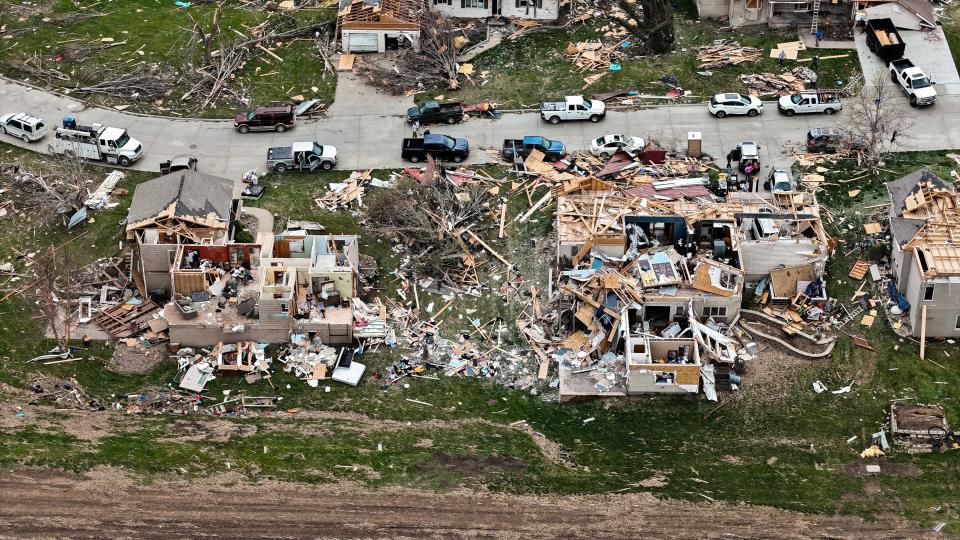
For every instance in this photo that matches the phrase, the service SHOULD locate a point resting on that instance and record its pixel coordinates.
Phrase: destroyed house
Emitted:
(778, 13)
(376, 25)
(925, 235)
(305, 286)
(547, 10)
(172, 211)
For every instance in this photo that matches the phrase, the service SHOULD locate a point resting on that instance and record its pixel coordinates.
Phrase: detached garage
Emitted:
(367, 25)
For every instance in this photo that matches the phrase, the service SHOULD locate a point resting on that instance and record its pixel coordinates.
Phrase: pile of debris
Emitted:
(343, 194)
(312, 361)
(723, 52)
(589, 55)
(159, 400)
(248, 358)
(921, 429)
(765, 84)
(61, 393)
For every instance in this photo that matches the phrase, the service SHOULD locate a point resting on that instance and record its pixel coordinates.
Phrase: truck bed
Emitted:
(553, 106)
(280, 152)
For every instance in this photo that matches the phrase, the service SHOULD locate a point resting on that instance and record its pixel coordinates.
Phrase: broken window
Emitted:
(714, 311)
(525, 3)
(928, 293)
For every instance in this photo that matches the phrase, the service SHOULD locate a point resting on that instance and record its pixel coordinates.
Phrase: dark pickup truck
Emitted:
(883, 39)
(439, 146)
(433, 112)
(552, 150)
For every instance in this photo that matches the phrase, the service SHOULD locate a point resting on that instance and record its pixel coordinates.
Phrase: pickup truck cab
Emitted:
(432, 112)
(274, 118)
(439, 146)
(110, 144)
(914, 82)
(178, 163)
(302, 156)
(573, 108)
(809, 102)
(23, 126)
(513, 148)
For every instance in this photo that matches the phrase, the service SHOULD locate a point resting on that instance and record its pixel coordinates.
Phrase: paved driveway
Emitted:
(929, 50)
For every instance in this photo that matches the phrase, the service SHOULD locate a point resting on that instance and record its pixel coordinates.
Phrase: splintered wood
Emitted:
(341, 195)
(725, 53)
(588, 55)
(770, 83)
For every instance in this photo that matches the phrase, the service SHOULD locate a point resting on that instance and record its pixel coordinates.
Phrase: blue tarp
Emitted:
(896, 296)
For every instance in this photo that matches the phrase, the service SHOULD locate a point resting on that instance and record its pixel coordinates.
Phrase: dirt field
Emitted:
(39, 503)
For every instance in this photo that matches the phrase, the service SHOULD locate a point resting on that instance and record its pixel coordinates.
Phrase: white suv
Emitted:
(23, 126)
(722, 105)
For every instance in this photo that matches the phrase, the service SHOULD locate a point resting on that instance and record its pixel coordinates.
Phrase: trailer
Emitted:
(884, 39)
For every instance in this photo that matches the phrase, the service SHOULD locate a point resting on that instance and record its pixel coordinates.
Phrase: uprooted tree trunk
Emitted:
(433, 65)
(876, 121)
(649, 20)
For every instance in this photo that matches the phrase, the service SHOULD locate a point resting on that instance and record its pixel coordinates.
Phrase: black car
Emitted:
(439, 146)
(827, 140)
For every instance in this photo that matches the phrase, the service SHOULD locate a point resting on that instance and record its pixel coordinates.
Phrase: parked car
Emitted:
(779, 181)
(302, 156)
(439, 146)
(607, 145)
(573, 108)
(552, 150)
(810, 102)
(178, 163)
(277, 118)
(915, 83)
(746, 154)
(432, 112)
(722, 105)
(23, 126)
(825, 139)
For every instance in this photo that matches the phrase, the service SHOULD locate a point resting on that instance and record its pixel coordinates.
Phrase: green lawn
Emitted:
(163, 34)
(524, 72)
(791, 454)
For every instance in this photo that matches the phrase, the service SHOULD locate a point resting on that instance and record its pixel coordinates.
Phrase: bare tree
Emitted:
(434, 64)
(876, 120)
(651, 21)
(207, 38)
(55, 293)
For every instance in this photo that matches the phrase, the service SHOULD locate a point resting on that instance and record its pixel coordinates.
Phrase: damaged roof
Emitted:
(194, 193)
(902, 188)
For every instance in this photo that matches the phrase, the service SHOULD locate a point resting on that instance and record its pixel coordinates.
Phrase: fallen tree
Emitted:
(435, 64)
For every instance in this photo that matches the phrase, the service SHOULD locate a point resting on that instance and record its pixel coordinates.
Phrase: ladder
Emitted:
(851, 315)
(816, 17)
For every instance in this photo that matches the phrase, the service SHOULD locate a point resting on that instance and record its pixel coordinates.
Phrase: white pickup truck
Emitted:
(110, 144)
(915, 83)
(573, 108)
(810, 102)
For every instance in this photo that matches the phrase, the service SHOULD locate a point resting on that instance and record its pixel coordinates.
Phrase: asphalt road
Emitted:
(373, 140)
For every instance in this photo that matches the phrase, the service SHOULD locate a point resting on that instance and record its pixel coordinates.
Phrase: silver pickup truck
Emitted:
(302, 156)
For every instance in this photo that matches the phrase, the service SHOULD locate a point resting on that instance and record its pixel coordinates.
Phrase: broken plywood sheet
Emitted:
(859, 270)
(783, 281)
(872, 228)
(715, 278)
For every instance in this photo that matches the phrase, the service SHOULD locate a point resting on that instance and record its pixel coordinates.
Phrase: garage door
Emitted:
(363, 42)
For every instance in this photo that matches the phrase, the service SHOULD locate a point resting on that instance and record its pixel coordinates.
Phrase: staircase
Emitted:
(814, 26)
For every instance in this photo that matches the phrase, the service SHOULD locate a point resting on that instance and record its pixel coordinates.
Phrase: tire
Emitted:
(752, 112)
(280, 128)
(605, 155)
(414, 159)
(828, 111)
(554, 120)
(789, 112)
(451, 120)
(893, 77)
(124, 161)
(3, 130)
(280, 167)
(25, 138)
(594, 118)
(458, 159)
(913, 101)
(244, 129)
(326, 165)
(721, 114)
